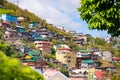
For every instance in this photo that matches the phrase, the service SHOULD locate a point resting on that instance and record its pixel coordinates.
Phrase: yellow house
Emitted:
(66, 56)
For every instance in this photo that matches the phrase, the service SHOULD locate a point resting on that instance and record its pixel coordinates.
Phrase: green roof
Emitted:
(87, 61)
(39, 39)
(31, 53)
(85, 51)
(35, 56)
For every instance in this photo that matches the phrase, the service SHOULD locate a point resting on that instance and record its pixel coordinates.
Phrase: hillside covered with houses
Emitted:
(55, 52)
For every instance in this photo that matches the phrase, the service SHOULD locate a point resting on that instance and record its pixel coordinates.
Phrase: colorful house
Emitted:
(31, 58)
(82, 40)
(66, 56)
(20, 29)
(43, 32)
(8, 17)
(42, 44)
(86, 58)
(33, 24)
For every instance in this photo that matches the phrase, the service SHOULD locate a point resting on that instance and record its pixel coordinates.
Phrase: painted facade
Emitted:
(66, 56)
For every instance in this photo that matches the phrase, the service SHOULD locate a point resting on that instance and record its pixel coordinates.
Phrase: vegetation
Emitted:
(16, 71)
(64, 71)
(101, 15)
(8, 50)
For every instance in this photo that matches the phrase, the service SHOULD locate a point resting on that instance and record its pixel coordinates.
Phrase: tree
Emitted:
(1, 2)
(12, 69)
(101, 15)
(64, 70)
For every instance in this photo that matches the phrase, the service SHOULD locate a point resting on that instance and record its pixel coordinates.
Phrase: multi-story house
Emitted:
(32, 58)
(43, 32)
(66, 56)
(86, 58)
(11, 35)
(81, 40)
(73, 33)
(42, 44)
(80, 58)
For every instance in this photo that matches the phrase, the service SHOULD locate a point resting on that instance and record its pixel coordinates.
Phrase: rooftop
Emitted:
(86, 51)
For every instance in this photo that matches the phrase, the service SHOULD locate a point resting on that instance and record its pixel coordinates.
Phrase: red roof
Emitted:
(98, 74)
(116, 59)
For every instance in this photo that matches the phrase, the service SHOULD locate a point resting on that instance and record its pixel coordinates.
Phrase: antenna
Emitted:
(17, 1)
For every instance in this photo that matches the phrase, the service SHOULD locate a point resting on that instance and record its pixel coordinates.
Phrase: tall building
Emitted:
(66, 56)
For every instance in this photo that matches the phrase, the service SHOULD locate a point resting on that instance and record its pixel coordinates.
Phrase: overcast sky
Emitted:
(59, 13)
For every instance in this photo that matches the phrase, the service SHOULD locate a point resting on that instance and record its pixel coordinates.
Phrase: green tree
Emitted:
(64, 70)
(8, 50)
(1, 2)
(12, 69)
(101, 15)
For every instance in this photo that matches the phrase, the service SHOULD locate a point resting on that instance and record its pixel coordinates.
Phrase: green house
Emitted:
(21, 29)
(32, 56)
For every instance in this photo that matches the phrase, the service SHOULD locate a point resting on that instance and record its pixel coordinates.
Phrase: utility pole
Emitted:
(41, 60)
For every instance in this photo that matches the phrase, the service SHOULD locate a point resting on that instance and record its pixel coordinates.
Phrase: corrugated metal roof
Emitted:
(87, 61)
(85, 51)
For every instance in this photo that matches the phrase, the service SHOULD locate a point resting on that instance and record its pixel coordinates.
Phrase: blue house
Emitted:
(8, 17)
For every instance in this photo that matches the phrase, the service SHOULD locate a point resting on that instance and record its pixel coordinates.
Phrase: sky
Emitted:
(61, 13)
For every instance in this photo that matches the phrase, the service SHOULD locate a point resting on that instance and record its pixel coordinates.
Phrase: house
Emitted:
(67, 38)
(87, 63)
(115, 59)
(52, 34)
(60, 37)
(86, 58)
(73, 33)
(31, 58)
(8, 17)
(6, 25)
(25, 36)
(43, 32)
(108, 39)
(22, 19)
(33, 24)
(11, 35)
(33, 34)
(52, 74)
(79, 73)
(20, 29)
(81, 40)
(107, 56)
(60, 46)
(42, 44)
(80, 57)
(66, 56)
(24, 49)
